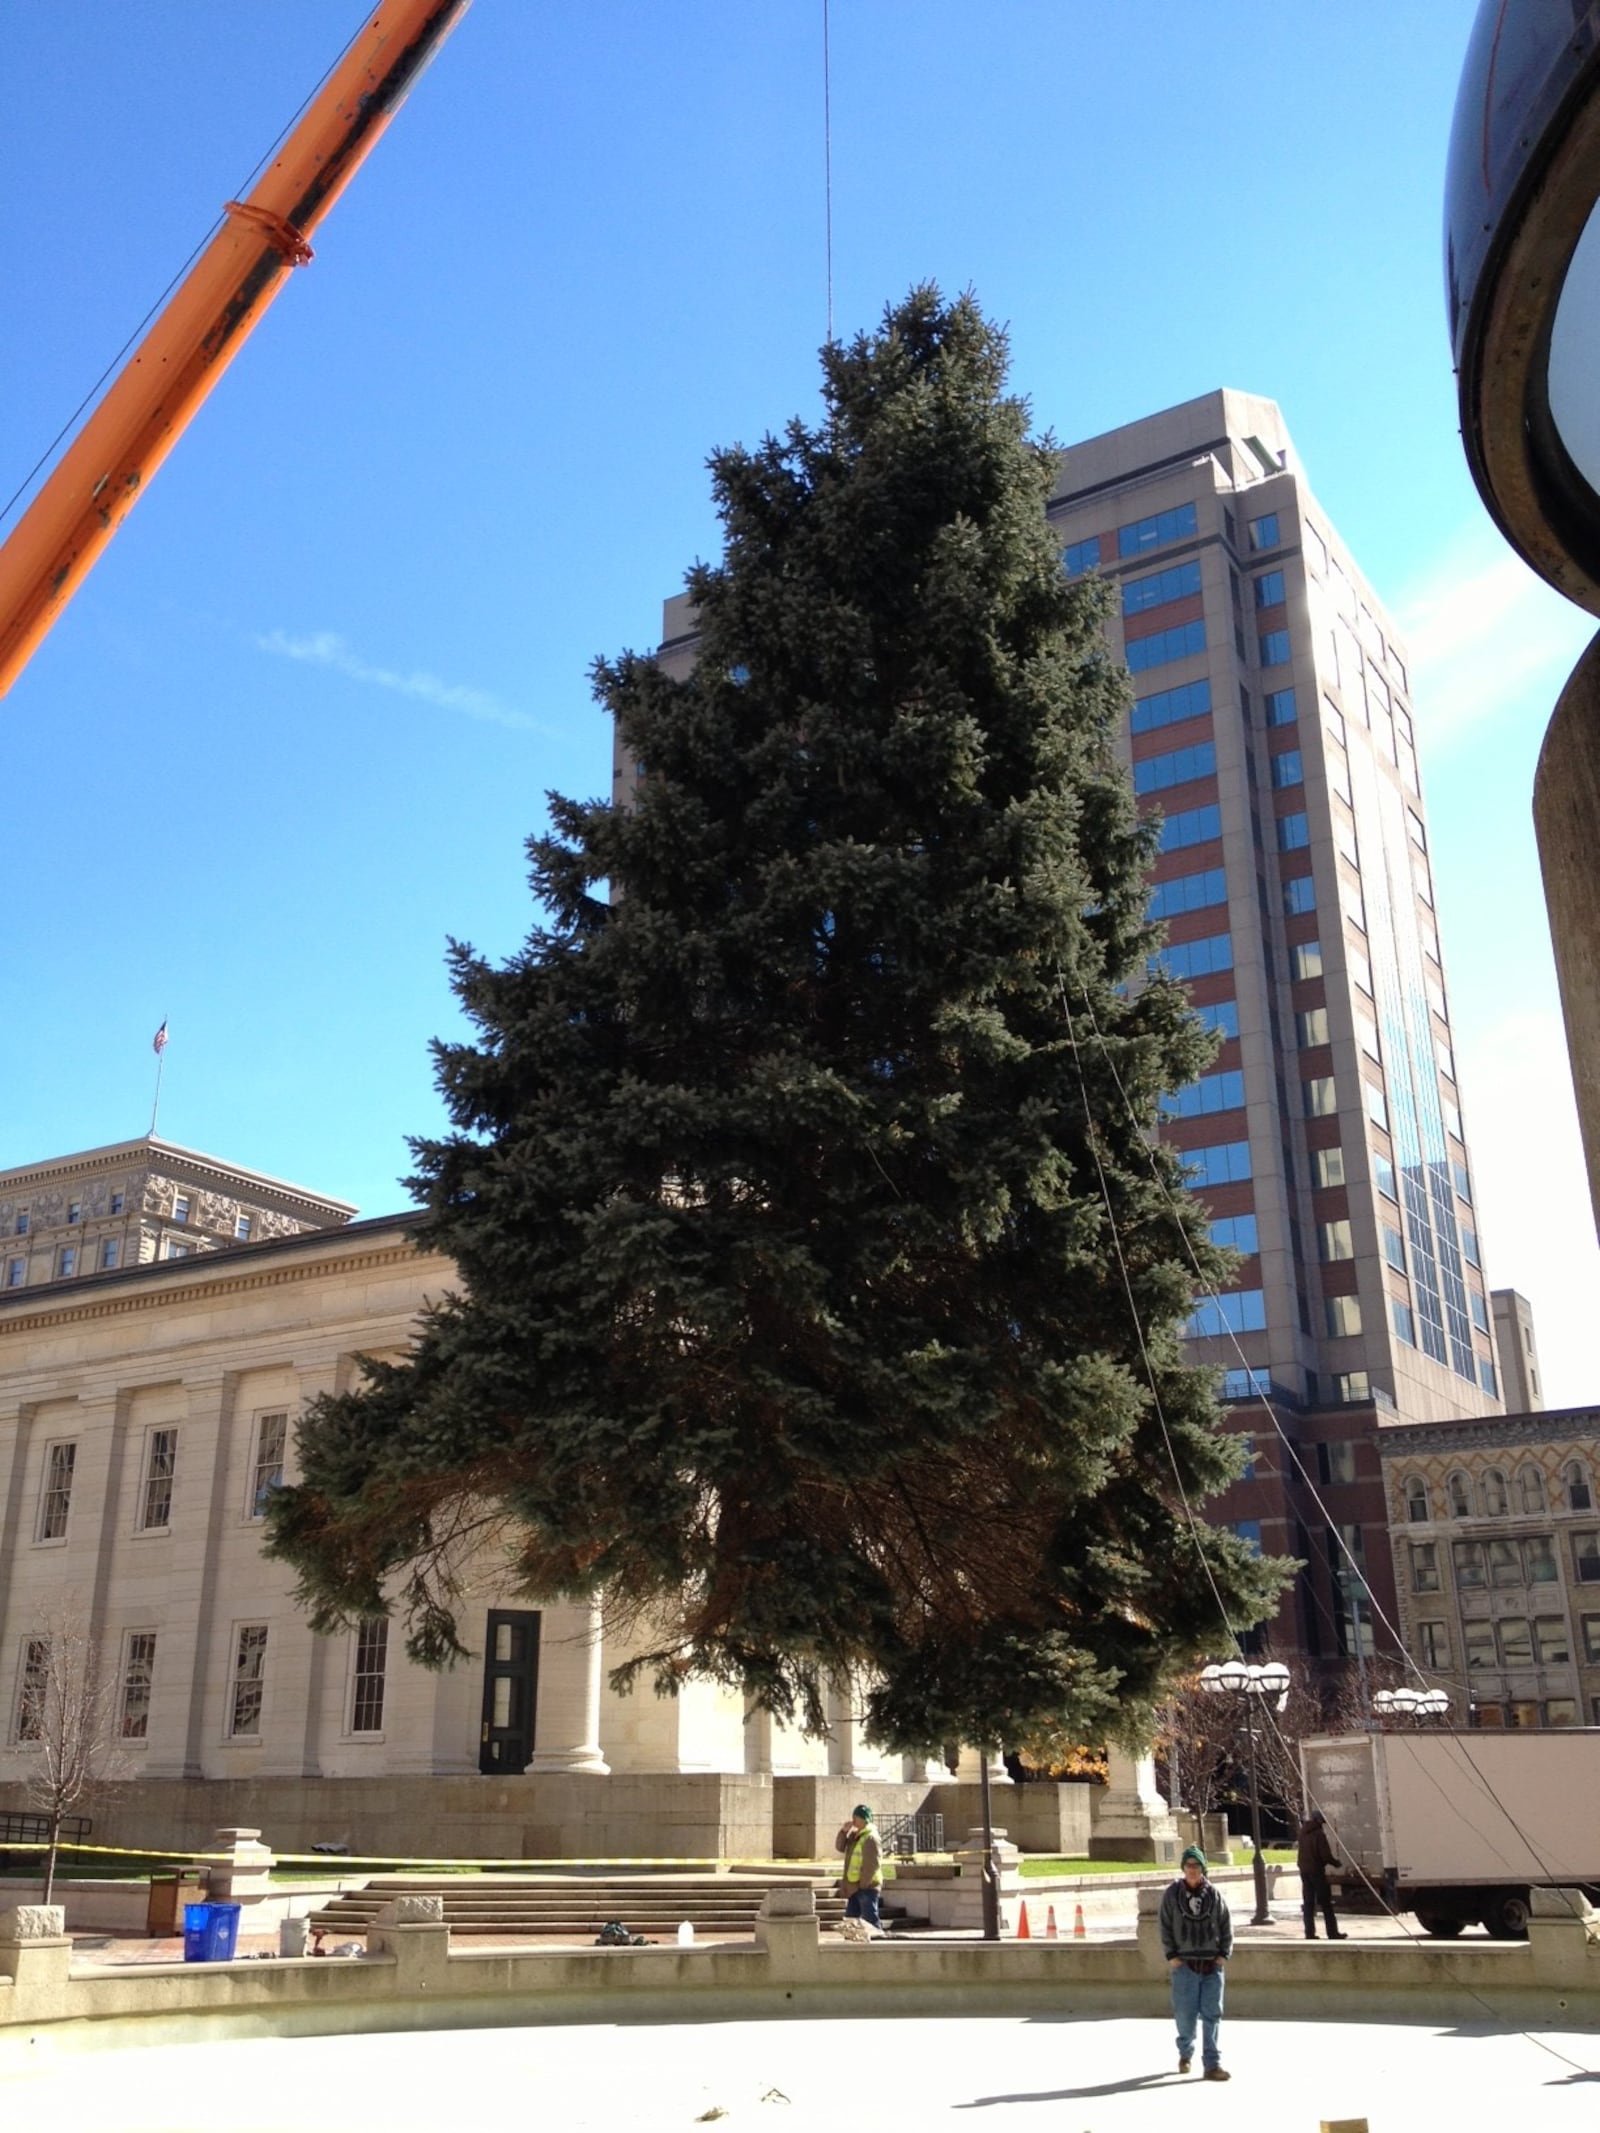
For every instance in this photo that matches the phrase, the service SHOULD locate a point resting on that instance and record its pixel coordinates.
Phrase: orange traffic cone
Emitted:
(1050, 1932)
(1023, 1930)
(1078, 1932)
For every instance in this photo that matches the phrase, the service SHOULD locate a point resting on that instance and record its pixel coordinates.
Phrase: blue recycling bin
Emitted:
(210, 1932)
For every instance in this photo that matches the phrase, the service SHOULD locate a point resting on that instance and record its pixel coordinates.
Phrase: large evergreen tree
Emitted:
(821, 1281)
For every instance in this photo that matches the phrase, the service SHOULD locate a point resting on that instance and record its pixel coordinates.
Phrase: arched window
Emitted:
(1495, 1499)
(1417, 1505)
(1530, 1488)
(1575, 1480)
(1460, 1492)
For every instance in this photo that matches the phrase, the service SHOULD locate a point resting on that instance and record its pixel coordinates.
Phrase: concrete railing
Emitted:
(411, 1977)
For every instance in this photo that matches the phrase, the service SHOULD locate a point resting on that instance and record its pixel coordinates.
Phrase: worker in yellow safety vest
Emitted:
(861, 1881)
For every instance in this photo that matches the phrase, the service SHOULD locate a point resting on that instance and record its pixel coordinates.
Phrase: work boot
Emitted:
(1184, 2065)
(1217, 2073)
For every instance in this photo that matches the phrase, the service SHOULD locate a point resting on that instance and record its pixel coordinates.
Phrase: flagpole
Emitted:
(160, 1048)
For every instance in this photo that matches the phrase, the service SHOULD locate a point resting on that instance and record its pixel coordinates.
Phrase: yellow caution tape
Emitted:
(340, 1860)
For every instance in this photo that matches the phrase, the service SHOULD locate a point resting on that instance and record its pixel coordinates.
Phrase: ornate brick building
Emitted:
(1496, 1531)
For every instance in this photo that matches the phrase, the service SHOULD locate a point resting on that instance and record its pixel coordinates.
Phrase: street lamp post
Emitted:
(1350, 1581)
(1235, 1678)
(989, 1885)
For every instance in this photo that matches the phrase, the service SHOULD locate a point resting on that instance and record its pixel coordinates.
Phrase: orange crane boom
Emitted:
(149, 404)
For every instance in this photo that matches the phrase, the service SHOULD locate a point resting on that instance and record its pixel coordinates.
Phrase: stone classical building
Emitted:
(1496, 1532)
(146, 1413)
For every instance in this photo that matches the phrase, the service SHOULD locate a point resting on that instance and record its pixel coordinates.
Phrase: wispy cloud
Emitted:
(325, 648)
(1487, 637)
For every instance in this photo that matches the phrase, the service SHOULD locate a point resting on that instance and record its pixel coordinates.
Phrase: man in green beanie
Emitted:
(1196, 1939)
(861, 1878)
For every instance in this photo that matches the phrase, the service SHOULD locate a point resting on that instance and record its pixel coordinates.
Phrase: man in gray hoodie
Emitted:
(1196, 1939)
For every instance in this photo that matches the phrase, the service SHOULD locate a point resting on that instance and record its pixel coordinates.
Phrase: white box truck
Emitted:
(1459, 1827)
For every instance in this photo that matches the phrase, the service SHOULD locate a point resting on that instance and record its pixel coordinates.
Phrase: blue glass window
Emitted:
(1179, 582)
(1079, 556)
(1275, 648)
(1246, 1385)
(1164, 646)
(1489, 1382)
(1269, 589)
(1480, 1310)
(1212, 1092)
(1181, 767)
(1404, 1322)
(1299, 896)
(1469, 1245)
(1394, 1247)
(1383, 1176)
(1222, 1016)
(1195, 959)
(1377, 1105)
(1240, 1311)
(1288, 769)
(1249, 1531)
(1236, 1233)
(1189, 892)
(1282, 710)
(1228, 1163)
(1463, 1183)
(1166, 526)
(1193, 825)
(1168, 707)
(1294, 833)
(1264, 531)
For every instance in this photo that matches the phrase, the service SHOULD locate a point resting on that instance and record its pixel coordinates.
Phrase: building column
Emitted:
(1131, 1820)
(566, 1729)
(190, 1658)
(969, 1770)
(758, 1760)
(307, 1671)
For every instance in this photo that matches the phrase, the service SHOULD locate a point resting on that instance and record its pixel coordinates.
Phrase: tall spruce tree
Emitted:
(820, 1277)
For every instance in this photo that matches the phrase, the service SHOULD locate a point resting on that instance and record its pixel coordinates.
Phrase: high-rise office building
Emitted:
(1272, 725)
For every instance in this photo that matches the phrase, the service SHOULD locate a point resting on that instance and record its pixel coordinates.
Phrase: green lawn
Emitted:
(1126, 1866)
(1089, 1866)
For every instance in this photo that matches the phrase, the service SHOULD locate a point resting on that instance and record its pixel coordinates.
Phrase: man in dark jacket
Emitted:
(1196, 1939)
(1314, 1858)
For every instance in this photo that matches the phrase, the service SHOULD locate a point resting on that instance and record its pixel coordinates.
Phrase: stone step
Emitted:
(713, 1904)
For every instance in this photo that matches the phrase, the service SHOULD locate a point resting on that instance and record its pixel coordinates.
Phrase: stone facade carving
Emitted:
(114, 1208)
(1495, 1527)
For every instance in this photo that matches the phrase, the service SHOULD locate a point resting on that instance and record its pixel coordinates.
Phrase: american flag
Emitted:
(158, 1043)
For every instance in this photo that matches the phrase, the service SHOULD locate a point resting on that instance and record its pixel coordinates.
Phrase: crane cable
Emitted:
(827, 162)
(1475, 1771)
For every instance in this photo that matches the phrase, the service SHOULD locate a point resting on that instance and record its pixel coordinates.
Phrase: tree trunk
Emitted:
(50, 1857)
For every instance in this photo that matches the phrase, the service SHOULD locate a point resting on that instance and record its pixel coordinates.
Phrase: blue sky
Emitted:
(295, 728)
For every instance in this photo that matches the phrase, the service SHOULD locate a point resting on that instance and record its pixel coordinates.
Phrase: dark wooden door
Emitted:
(510, 1681)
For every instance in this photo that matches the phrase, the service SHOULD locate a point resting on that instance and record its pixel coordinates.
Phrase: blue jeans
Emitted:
(1197, 1999)
(863, 1903)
